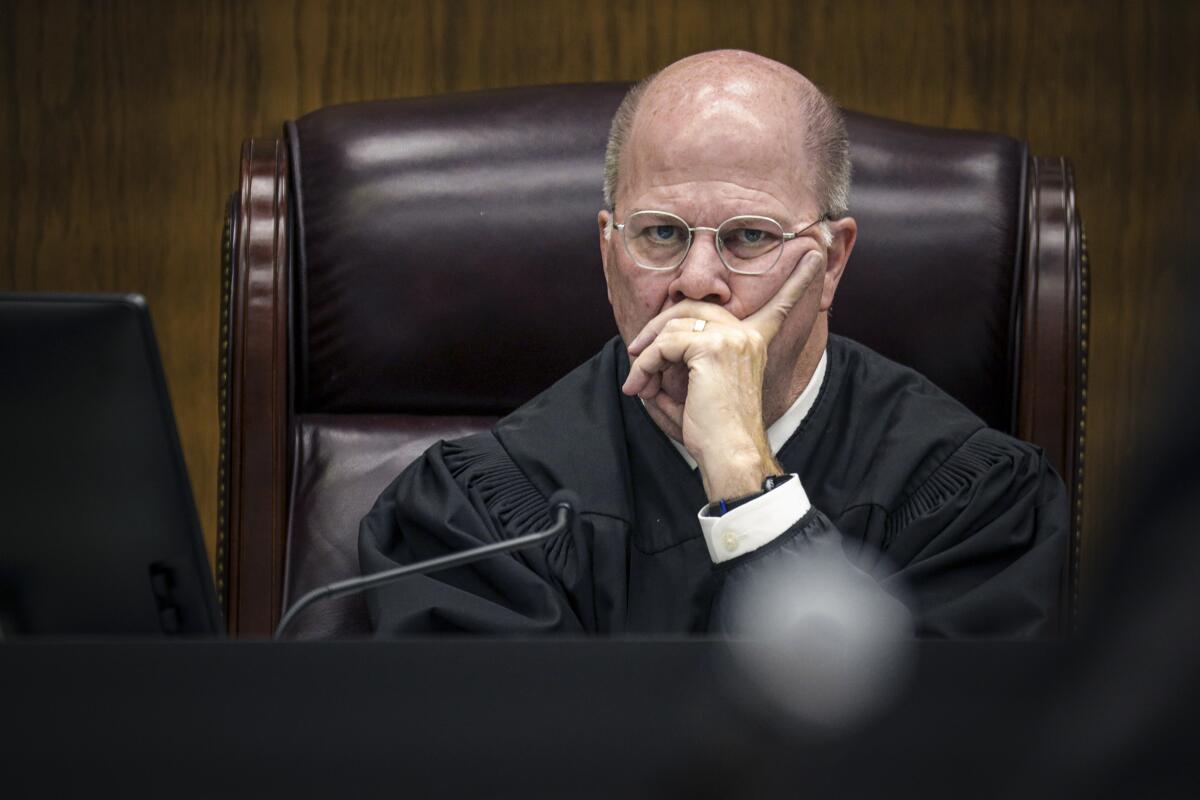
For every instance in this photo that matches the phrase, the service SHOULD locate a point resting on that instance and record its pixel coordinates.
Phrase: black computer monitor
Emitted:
(98, 528)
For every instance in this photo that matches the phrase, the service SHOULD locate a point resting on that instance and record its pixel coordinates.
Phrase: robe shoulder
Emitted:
(472, 473)
(882, 435)
(970, 522)
(459, 495)
(573, 435)
(507, 475)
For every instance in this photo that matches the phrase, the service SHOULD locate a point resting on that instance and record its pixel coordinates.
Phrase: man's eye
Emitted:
(664, 233)
(747, 242)
(748, 236)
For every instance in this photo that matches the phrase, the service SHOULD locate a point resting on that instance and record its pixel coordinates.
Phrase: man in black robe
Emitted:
(725, 435)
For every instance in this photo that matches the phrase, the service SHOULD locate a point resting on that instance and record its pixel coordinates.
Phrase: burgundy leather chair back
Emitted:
(403, 271)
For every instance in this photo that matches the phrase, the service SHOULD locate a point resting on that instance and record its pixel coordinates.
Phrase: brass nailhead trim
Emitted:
(223, 345)
(1084, 303)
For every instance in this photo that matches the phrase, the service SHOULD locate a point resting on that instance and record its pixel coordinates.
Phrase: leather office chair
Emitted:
(402, 271)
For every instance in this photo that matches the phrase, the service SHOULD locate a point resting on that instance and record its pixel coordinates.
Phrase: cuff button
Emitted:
(731, 541)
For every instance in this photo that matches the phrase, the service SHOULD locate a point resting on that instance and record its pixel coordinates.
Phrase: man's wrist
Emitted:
(754, 522)
(738, 475)
(720, 508)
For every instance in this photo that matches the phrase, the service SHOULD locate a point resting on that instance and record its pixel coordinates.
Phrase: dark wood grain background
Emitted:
(122, 121)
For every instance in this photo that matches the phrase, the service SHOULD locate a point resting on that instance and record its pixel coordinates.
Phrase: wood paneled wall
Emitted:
(122, 121)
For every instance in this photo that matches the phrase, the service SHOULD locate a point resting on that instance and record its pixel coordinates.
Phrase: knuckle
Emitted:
(737, 337)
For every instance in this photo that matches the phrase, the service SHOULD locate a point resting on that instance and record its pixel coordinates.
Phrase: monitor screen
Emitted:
(98, 529)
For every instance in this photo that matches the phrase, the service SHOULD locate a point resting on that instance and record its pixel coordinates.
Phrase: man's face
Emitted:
(707, 162)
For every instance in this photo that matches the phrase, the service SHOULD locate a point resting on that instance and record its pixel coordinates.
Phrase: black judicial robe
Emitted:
(906, 485)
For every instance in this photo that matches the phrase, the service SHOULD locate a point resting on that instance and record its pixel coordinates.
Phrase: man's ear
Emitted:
(604, 222)
(844, 232)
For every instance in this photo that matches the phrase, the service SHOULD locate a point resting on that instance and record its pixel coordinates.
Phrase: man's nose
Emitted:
(702, 275)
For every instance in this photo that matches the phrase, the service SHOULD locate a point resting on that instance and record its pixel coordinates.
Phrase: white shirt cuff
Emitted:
(758, 522)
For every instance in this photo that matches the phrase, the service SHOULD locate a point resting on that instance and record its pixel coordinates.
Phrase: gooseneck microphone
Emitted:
(563, 504)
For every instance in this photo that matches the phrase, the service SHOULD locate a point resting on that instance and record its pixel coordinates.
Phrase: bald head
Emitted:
(727, 107)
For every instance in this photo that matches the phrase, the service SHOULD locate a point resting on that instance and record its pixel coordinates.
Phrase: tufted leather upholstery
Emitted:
(434, 263)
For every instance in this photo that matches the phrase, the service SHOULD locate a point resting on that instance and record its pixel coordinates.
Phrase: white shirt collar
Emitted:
(786, 425)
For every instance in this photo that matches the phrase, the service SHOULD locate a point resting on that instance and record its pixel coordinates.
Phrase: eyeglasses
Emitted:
(747, 245)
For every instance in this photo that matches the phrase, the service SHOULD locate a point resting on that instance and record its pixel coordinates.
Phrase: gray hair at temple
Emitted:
(825, 137)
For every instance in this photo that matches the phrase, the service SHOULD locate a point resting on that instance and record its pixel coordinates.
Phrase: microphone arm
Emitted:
(563, 503)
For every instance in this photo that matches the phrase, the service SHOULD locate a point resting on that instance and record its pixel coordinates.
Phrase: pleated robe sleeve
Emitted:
(980, 546)
(976, 549)
(459, 495)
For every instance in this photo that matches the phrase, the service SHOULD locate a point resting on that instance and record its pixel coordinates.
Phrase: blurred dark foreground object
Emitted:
(1121, 714)
(547, 718)
(471, 717)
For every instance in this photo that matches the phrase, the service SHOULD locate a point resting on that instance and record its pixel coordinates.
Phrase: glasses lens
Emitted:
(655, 239)
(750, 244)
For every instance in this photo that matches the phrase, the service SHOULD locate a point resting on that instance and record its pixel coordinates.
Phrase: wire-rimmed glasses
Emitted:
(747, 245)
